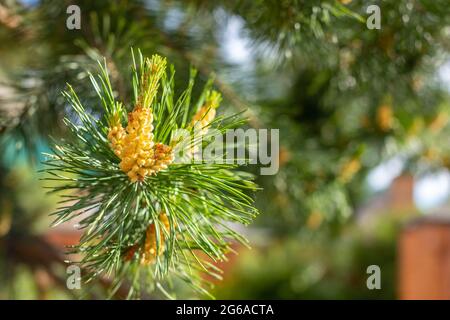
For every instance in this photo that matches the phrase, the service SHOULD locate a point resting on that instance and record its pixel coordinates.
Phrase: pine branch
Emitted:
(141, 213)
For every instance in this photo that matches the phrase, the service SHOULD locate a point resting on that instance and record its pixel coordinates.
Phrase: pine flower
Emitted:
(138, 144)
(116, 135)
(385, 117)
(135, 146)
(349, 169)
(439, 122)
(203, 118)
(151, 251)
(163, 156)
(314, 220)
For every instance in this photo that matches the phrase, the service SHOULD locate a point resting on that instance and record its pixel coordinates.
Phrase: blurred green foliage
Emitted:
(317, 266)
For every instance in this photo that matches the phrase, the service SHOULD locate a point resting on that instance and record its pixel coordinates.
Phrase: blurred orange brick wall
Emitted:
(424, 261)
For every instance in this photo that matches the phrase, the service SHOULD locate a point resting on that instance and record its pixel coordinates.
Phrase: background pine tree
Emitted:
(344, 97)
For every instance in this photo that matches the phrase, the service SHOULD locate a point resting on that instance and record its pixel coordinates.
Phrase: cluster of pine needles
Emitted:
(145, 219)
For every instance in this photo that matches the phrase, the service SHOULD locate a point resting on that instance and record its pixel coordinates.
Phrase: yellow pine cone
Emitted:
(116, 136)
(135, 147)
(349, 170)
(151, 251)
(203, 118)
(163, 156)
(314, 220)
(385, 117)
(138, 144)
(207, 112)
(439, 122)
(431, 154)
